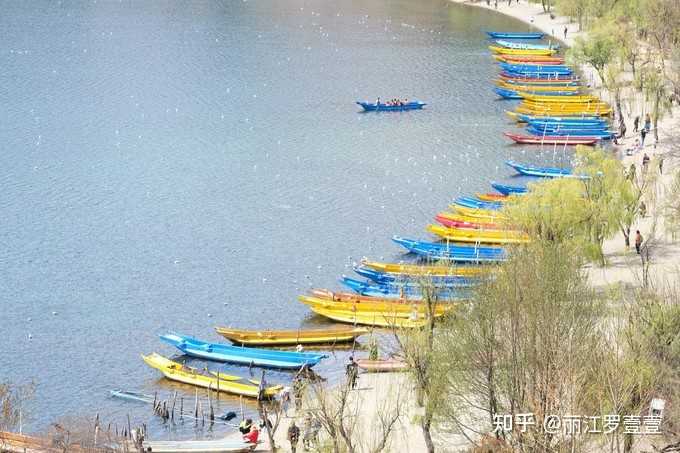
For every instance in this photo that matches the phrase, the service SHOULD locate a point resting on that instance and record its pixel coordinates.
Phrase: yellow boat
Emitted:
(188, 375)
(416, 269)
(374, 306)
(368, 318)
(506, 51)
(583, 99)
(481, 215)
(291, 337)
(594, 110)
(532, 88)
(482, 236)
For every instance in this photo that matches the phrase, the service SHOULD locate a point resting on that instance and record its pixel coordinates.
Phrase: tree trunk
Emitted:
(626, 235)
(425, 425)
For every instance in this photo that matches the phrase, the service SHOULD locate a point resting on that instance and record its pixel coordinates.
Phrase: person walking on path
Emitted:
(648, 123)
(565, 32)
(643, 134)
(293, 436)
(638, 241)
(645, 163)
(636, 123)
(661, 165)
(352, 370)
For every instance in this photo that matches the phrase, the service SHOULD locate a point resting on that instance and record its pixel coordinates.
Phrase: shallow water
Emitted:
(180, 165)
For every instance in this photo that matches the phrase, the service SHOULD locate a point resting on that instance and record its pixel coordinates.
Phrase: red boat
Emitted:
(533, 59)
(447, 222)
(551, 140)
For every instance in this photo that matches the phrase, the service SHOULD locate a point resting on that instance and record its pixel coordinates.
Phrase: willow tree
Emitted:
(597, 50)
(586, 210)
(657, 92)
(525, 345)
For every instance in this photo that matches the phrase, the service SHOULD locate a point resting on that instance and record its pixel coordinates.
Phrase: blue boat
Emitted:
(569, 123)
(543, 172)
(400, 291)
(543, 83)
(509, 190)
(571, 132)
(525, 45)
(525, 118)
(512, 94)
(390, 278)
(243, 356)
(468, 202)
(540, 75)
(452, 252)
(552, 69)
(375, 107)
(514, 35)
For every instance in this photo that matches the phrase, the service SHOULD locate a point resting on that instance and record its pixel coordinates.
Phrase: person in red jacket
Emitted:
(253, 435)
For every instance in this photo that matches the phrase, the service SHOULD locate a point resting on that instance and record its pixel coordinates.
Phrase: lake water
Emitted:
(177, 165)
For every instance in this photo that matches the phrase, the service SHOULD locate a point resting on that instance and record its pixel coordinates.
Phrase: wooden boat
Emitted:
(198, 446)
(520, 94)
(583, 99)
(266, 358)
(482, 215)
(409, 290)
(374, 107)
(452, 251)
(291, 337)
(368, 318)
(450, 220)
(515, 35)
(542, 59)
(572, 81)
(132, 396)
(544, 172)
(550, 140)
(387, 278)
(506, 51)
(479, 236)
(537, 88)
(472, 203)
(491, 197)
(346, 302)
(525, 45)
(382, 365)
(188, 375)
(509, 190)
(419, 269)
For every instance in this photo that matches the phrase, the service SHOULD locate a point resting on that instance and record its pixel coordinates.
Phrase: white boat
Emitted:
(198, 446)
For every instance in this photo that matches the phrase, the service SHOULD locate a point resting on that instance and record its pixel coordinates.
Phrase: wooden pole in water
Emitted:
(174, 400)
(128, 427)
(181, 409)
(218, 385)
(196, 406)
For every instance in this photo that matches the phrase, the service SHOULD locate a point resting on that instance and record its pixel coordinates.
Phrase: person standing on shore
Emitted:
(643, 134)
(293, 436)
(638, 241)
(636, 123)
(565, 32)
(495, 4)
(352, 370)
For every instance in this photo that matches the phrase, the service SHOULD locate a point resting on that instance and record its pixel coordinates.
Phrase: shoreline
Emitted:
(623, 264)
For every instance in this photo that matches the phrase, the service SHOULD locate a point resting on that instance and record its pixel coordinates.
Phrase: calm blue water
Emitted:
(181, 165)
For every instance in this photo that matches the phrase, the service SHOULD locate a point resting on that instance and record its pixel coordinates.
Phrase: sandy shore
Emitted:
(623, 267)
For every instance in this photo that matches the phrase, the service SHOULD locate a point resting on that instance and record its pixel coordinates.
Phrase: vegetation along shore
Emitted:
(539, 318)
